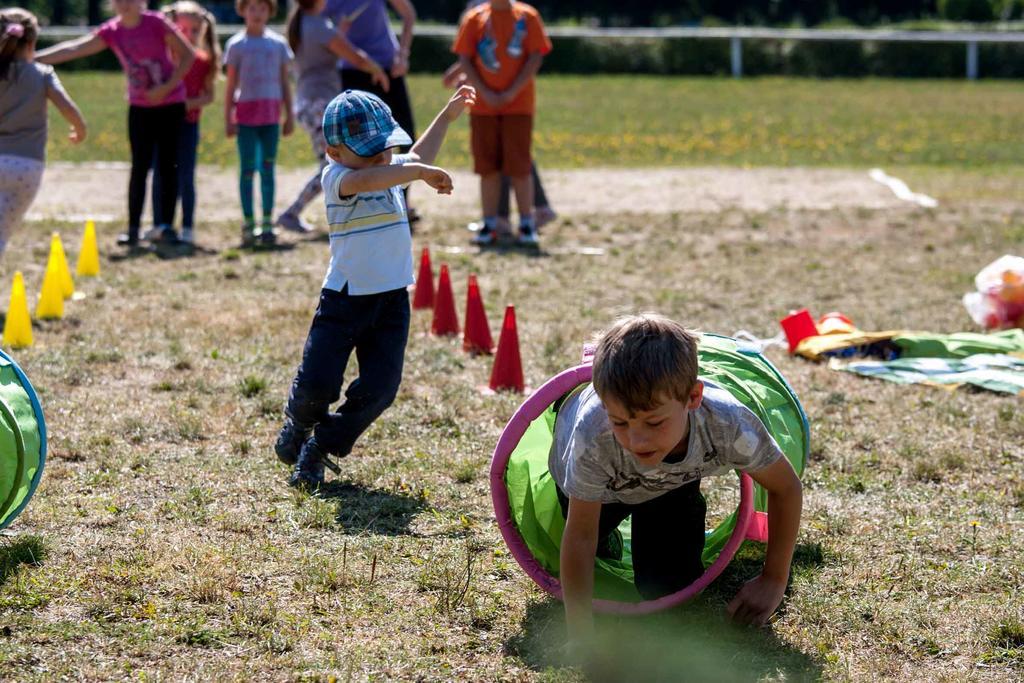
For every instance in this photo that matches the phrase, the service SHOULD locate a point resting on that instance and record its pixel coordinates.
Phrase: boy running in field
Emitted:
(364, 303)
(637, 441)
(501, 45)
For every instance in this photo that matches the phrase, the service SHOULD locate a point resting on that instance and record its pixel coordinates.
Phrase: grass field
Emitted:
(645, 121)
(163, 543)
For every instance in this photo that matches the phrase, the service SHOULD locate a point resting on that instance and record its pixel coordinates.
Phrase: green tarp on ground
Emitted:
(744, 372)
(1001, 373)
(960, 344)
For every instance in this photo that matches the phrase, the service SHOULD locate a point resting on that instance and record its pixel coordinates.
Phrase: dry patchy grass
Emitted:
(163, 543)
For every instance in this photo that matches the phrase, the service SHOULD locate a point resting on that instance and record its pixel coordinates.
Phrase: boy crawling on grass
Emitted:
(637, 441)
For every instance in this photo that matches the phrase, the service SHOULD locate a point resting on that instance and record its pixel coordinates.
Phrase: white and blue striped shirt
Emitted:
(371, 247)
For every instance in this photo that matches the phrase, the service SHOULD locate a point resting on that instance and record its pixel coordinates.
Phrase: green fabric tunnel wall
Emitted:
(22, 440)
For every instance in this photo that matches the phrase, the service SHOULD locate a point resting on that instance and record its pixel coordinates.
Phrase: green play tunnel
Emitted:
(22, 440)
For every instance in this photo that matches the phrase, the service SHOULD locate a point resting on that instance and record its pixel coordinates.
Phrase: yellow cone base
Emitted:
(89, 255)
(18, 325)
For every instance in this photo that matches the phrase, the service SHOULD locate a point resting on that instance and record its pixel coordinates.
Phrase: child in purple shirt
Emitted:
(155, 58)
(257, 92)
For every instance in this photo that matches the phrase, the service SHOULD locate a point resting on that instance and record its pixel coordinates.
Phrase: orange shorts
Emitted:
(501, 144)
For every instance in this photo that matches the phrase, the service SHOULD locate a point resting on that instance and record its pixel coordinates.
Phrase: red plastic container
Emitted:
(798, 325)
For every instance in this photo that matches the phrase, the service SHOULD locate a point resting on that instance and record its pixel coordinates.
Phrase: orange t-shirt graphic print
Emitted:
(499, 43)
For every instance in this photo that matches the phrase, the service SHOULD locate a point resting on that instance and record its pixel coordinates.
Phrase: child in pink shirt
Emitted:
(155, 58)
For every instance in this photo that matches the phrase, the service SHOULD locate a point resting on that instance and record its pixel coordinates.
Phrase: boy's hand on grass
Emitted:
(463, 99)
(437, 178)
(230, 129)
(757, 600)
(289, 126)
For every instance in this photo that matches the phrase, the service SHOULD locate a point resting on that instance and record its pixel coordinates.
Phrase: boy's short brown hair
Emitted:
(644, 359)
(272, 4)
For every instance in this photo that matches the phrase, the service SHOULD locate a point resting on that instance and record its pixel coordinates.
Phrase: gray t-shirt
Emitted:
(258, 61)
(23, 109)
(315, 64)
(589, 464)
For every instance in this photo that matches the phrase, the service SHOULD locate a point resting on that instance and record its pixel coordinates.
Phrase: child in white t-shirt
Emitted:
(364, 303)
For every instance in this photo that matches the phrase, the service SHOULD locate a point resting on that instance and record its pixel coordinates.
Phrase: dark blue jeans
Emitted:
(376, 327)
(667, 537)
(188, 144)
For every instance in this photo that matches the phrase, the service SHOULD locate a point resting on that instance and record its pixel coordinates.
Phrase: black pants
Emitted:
(376, 327)
(540, 198)
(151, 129)
(667, 537)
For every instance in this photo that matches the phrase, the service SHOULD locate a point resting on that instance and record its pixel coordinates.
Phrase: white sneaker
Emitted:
(187, 236)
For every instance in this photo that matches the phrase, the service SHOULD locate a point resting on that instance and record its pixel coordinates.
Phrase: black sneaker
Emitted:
(610, 547)
(127, 240)
(289, 442)
(309, 469)
(248, 235)
(169, 236)
(267, 237)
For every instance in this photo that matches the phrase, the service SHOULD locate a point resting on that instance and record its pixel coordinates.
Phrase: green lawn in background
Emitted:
(658, 121)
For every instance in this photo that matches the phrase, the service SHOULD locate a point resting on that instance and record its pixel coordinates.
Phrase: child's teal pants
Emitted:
(257, 150)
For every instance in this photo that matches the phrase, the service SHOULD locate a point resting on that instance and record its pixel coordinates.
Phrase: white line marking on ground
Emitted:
(900, 189)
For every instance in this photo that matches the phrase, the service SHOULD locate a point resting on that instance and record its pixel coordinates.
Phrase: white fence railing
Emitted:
(735, 36)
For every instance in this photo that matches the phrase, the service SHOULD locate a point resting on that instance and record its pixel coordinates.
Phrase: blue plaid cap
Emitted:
(363, 123)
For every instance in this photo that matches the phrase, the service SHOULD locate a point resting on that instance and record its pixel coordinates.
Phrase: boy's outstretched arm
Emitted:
(759, 597)
(576, 572)
(376, 178)
(429, 144)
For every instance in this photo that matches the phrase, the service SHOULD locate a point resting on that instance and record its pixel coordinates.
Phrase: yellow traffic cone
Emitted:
(18, 325)
(67, 285)
(89, 255)
(51, 299)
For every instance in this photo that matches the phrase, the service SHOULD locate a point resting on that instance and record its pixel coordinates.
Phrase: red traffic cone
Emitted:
(446, 320)
(508, 367)
(423, 297)
(477, 336)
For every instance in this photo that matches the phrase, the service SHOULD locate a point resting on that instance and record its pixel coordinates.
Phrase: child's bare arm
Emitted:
(286, 102)
(529, 70)
(184, 55)
(473, 78)
(71, 49)
(342, 47)
(429, 144)
(230, 126)
(758, 598)
(376, 178)
(69, 110)
(576, 568)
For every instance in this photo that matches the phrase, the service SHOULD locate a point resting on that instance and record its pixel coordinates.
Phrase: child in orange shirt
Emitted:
(501, 45)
